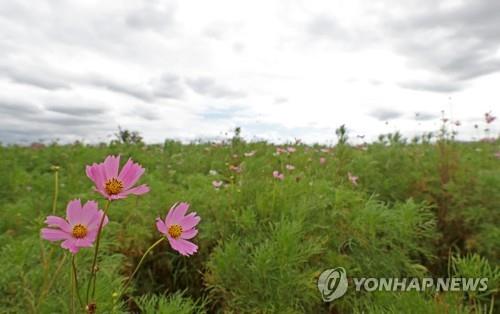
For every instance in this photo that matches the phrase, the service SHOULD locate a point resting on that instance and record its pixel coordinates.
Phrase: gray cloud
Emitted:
(14, 110)
(82, 110)
(459, 42)
(433, 86)
(229, 113)
(385, 114)
(238, 47)
(15, 107)
(280, 100)
(453, 44)
(209, 87)
(425, 116)
(34, 77)
(136, 91)
(149, 112)
(219, 30)
(151, 15)
(70, 120)
(21, 121)
(168, 86)
(326, 27)
(214, 31)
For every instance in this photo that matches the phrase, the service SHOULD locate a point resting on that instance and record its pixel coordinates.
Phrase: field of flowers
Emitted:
(271, 219)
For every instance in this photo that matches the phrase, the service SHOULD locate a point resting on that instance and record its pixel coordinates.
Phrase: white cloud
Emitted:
(280, 69)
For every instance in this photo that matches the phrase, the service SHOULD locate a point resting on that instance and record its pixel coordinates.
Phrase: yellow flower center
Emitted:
(175, 231)
(113, 186)
(79, 231)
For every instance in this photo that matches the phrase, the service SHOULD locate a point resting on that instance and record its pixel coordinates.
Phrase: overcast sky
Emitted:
(75, 70)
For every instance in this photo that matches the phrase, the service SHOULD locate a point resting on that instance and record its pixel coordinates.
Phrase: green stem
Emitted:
(56, 189)
(46, 289)
(75, 275)
(274, 193)
(72, 288)
(45, 258)
(139, 265)
(93, 270)
(492, 303)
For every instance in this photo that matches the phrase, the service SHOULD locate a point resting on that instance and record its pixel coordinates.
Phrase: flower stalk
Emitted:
(139, 265)
(75, 280)
(93, 270)
(56, 188)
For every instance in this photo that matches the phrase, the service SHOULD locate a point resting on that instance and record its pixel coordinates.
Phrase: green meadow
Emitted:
(428, 207)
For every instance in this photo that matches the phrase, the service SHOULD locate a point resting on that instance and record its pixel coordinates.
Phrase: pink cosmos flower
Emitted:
(488, 140)
(179, 228)
(489, 118)
(322, 160)
(290, 167)
(280, 150)
(114, 185)
(80, 227)
(291, 149)
(278, 175)
(217, 184)
(497, 154)
(236, 169)
(353, 179)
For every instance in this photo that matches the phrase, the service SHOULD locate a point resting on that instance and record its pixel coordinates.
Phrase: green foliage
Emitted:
(262, 242)
(172, 304)
(271, 275)
(125, 136)
(475, 266)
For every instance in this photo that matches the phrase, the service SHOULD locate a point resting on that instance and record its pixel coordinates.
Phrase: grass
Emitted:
(420, 209)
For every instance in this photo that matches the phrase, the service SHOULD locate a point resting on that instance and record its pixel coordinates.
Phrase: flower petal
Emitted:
(160, 225)
(70, 245)
(84, 242)
(130, 173)
(125, 169)
(74, 211)
(96, 174)
(138, 190)
(89, 210)
(185, 247)
(59, 222)
(94, 223)
(91, 235)
(182, 246)
(178, 213)
(189, 234)
(116, 196)
(103, 193)
(111, 164)
(189, 221)
(54, 234)
(168, 219)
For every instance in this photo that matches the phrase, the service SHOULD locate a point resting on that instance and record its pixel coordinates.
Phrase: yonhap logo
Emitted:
(332, 283)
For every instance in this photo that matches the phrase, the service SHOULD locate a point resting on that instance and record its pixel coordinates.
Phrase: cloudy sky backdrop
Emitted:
(75, 70)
